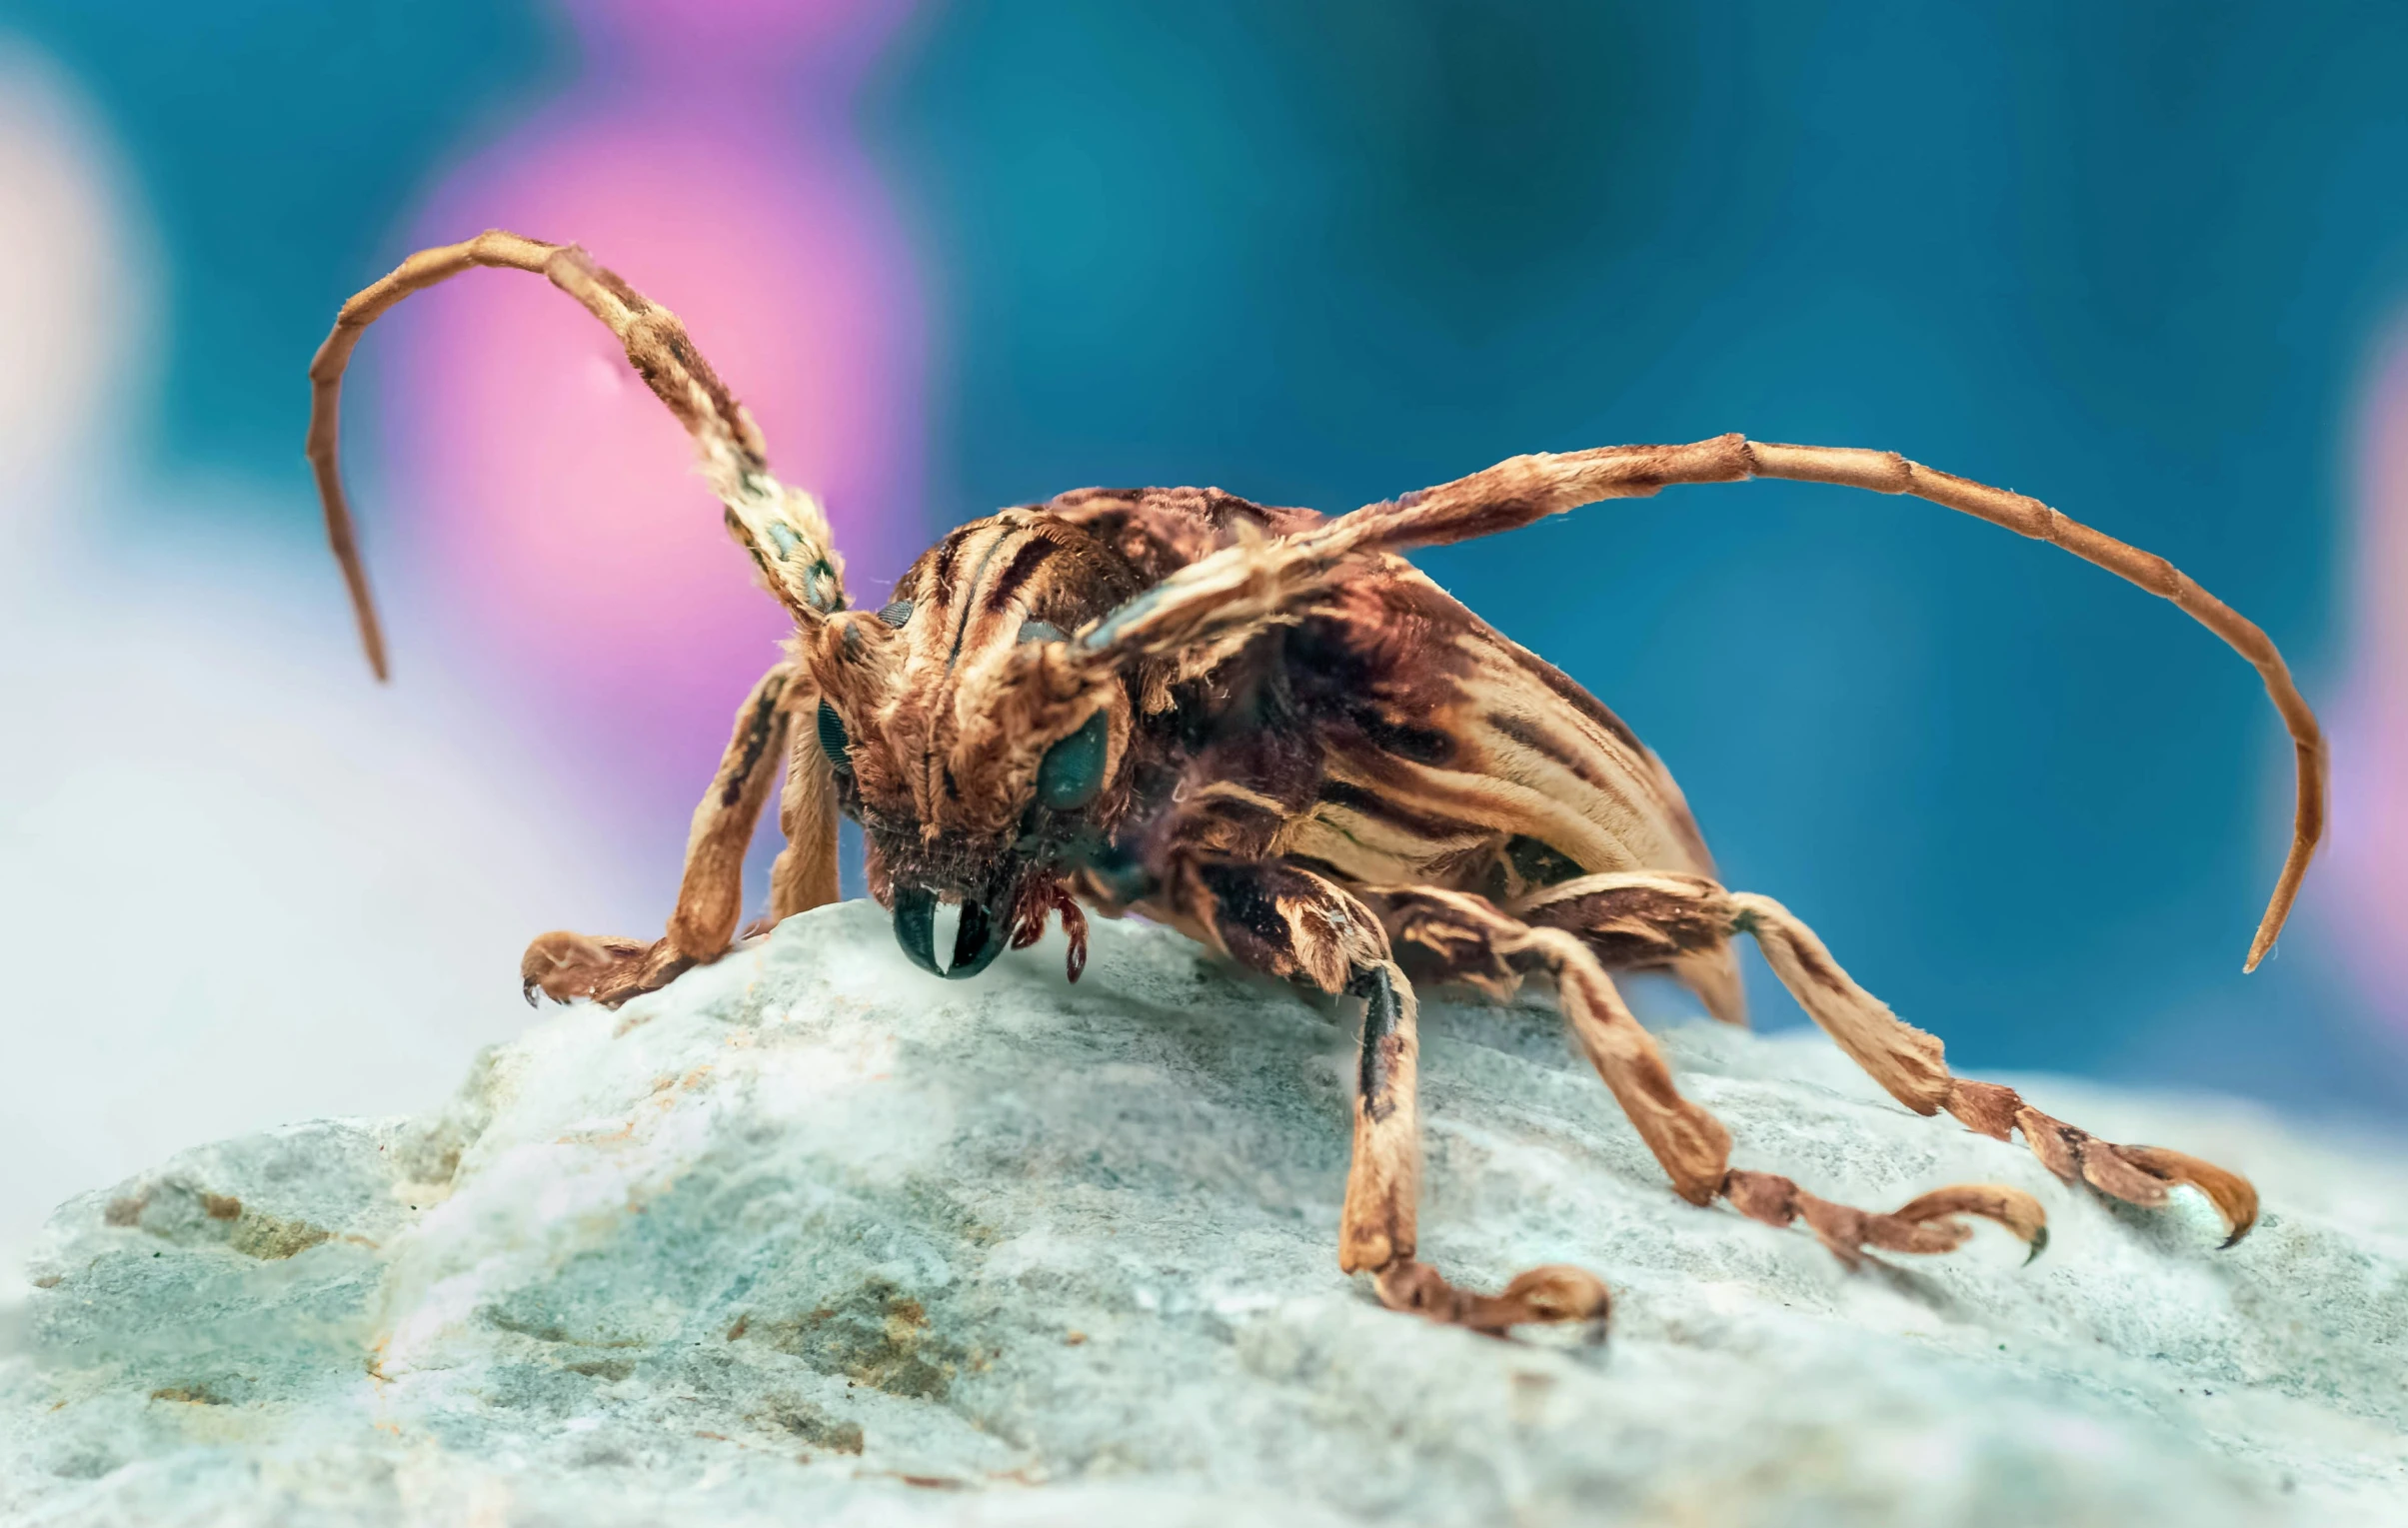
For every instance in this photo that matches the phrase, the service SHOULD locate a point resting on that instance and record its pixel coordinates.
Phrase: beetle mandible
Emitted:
(1265, 728)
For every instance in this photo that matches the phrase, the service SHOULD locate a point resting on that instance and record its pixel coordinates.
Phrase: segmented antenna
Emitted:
(1203, 611)
(783, 528)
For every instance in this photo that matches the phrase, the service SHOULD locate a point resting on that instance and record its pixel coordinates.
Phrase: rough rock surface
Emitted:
(811, 1236)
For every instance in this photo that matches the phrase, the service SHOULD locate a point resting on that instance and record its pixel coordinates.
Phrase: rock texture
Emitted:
(813, 1237)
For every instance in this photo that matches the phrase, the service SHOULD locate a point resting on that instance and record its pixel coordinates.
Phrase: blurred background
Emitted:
(2147, 263)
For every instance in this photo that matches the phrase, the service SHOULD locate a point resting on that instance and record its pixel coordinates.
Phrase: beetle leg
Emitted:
(1462, 938)
(1288, 923)
(1456, 936)
(566, 966)
(1627, 917)
(785, 530)
(805, 874)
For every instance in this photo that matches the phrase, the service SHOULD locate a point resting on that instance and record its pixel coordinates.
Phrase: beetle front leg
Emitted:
(1291, 923)
(565, 965)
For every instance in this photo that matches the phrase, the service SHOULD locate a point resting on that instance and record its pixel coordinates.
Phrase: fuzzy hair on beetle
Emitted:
(1266, 729)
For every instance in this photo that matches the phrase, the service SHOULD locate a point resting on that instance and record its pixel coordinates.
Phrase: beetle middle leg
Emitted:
(1456, 936)
(1642, 918)
(1289, 922)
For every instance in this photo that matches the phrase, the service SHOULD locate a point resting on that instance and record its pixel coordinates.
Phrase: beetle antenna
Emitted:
(1516, 491)
(1205, 610)
(783, 528)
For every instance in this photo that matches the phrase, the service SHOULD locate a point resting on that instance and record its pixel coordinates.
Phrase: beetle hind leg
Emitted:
(1909, 1063)
(1461, 938)
(1627, 917)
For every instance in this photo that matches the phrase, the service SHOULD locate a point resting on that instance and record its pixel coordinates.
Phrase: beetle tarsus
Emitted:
(564, 966)
(1556, 1294)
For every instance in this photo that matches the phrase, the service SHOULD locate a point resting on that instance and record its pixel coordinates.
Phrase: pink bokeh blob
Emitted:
(730, 40)
(2369, 854)
(548, 502)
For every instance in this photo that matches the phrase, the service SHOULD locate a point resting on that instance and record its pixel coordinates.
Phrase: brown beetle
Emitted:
(1266, 729)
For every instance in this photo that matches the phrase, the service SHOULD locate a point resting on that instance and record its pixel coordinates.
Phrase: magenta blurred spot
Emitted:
(548, 499)
(2369, 854)
(828, 38)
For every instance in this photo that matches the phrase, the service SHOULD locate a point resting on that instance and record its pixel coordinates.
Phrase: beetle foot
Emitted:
(1929, 1223)
(566, 967)
(2135, 1175)
(1557, 1292)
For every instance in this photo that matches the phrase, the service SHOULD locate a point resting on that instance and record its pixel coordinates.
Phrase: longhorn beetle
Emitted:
(1265, 728)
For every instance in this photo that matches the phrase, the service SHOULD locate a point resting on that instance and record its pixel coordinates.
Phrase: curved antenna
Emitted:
(783, 528)
(1206, 608)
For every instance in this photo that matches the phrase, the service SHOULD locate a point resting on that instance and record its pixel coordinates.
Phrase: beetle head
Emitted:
(984, 759)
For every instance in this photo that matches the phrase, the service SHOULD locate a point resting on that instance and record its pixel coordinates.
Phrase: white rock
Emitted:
(811, 1236)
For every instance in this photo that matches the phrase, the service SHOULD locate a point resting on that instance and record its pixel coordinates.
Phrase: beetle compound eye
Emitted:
(896, 613)
(832, 742)
(1073, 770)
